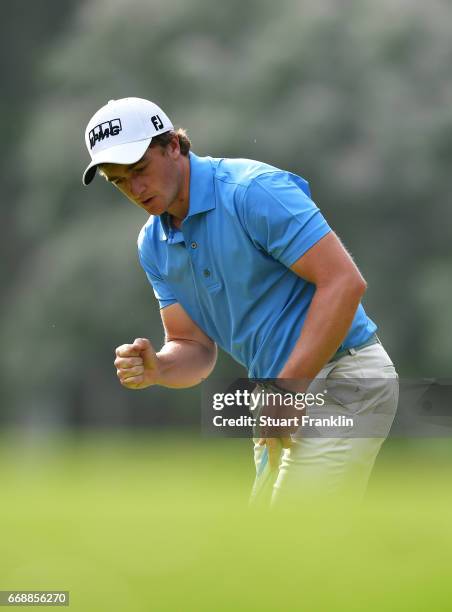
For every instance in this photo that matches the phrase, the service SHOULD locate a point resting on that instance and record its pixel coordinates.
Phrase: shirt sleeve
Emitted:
(281, 218)
(161, 289)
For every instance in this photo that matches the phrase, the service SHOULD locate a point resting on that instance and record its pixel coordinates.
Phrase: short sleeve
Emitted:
(161, 289)
(281, 218)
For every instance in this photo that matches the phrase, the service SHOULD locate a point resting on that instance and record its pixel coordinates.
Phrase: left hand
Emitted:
(275, 437)
(274, 446)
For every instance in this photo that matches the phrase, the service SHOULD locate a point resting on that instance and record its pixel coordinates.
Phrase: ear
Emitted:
(174, 147)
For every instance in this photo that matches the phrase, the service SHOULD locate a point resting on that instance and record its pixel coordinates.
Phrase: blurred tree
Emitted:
(355, 97)
(26, 29)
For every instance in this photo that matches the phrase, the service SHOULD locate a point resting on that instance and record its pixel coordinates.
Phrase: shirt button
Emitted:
(206, 273)
(194, 245)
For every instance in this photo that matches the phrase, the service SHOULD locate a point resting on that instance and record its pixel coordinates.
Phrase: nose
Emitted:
(137, 186)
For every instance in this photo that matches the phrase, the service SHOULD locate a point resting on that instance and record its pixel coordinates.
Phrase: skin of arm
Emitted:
(339, 289)
(187, 357)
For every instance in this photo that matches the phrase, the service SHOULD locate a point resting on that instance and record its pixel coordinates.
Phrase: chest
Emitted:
(208, 251)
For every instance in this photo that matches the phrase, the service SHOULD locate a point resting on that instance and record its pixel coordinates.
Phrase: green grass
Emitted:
(152, 522)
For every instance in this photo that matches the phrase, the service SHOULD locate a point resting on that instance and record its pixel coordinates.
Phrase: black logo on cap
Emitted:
(104, 130)
(157, 122)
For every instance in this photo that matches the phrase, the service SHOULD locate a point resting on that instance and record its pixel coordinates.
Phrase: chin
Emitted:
(157, 211)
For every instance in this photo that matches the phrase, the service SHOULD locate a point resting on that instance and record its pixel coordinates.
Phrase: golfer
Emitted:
(240, 257)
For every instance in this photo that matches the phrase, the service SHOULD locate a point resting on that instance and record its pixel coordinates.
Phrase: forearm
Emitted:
(329, 318)
(185, 363)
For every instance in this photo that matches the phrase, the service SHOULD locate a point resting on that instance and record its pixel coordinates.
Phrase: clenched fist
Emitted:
(137, 364)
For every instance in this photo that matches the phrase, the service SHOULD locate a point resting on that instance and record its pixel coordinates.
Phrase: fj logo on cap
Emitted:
(104, 130)
(157, 122)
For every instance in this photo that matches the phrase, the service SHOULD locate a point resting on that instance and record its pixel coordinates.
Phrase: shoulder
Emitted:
(148, 232)
(248, 182)
(241, 172)
(279, 185)
(255, 180)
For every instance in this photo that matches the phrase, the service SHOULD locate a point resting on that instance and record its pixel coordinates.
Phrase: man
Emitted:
(239, 256)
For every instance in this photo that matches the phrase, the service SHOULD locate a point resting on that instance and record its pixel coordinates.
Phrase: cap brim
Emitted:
(128, 153)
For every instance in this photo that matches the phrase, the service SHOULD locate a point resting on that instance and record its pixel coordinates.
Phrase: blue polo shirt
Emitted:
(228, 264)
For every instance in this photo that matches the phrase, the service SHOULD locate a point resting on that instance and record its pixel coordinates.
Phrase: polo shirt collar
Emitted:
(202, 192)
(172, 235)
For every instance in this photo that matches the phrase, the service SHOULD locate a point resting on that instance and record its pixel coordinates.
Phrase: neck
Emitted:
(176, 222)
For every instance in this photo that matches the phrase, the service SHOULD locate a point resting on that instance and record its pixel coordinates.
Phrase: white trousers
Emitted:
(341, 465)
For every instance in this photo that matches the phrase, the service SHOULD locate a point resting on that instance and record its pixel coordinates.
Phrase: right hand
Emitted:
(137, 364)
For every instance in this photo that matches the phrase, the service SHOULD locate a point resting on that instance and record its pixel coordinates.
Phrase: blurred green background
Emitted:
(114, 494)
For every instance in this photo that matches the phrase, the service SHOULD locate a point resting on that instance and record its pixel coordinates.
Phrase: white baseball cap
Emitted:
(121, 131)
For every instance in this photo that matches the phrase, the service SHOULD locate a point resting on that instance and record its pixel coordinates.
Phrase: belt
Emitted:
(351, 351)
(374, 339)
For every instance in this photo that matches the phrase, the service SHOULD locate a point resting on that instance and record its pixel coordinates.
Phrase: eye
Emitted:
(139, 169)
